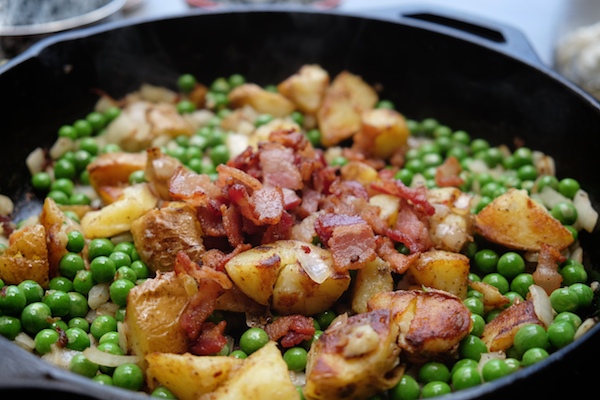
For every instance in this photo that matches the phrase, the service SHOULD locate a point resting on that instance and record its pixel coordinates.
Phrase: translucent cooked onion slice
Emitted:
(541, 304)
(109, 360)
(314, 266)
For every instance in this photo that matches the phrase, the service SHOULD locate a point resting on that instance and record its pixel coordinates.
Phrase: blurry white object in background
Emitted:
(577, 52)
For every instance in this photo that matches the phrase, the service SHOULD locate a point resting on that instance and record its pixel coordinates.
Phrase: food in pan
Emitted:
(301, 240)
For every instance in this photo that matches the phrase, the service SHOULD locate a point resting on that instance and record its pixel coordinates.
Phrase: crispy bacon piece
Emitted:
(399, 262)
(263, 207)
(350, 239)
(546, 273)
(232, 222)
(447, 173)
(411, 229)
(211, 284)
(278, 165)
(194, 189)
(291, 329)
(211, 339)
(417, 196)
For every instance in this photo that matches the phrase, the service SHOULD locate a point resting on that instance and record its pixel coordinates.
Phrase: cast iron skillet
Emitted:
(467, 73)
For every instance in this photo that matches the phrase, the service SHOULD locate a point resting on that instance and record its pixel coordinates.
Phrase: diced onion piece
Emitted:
(35, 161)
(61, 357)
(551, 197)
(6, 205)
(236, 143)
(157, 94)
(25, 341)
(541, 304)
(98, 295)
(316, 268)
(584, 327)
(587, 217)
(485, 357)
(107, 359)
(61, 146)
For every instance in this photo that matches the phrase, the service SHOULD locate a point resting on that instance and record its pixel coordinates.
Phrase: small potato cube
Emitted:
(516, 221)
(117, 217)
(306, 88)
(263, 375)
(499, 334)
(186, 375)
(26, 256)
(443, 270)
(162, 233)
(360, 172)
(382, 132)
(152, 315)
(346, 99)
(388, 207)
(375, 277)
(263, 101)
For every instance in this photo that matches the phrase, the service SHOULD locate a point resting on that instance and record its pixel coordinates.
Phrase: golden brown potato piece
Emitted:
(118, 216)
(57, 227)
(443, 270)
(263, 375)
(306, 88)
(186, 375)
(382, 133)
(345, 100)
(162, 233)
(275, 275)
(432, 322)
(112, 170)
(263, 101)
(355, 358)
(26, 256)
(152, 314)
(516, 221)
(499, 334)
(375, 277)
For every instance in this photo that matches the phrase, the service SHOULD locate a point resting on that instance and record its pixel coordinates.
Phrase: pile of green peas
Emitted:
(63, 307)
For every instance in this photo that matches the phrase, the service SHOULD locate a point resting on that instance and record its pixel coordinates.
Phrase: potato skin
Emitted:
(432, 322)
(355, 358)
(161, 233)
(152, 315)
(26, 257)
(188, 376)
(272, 275)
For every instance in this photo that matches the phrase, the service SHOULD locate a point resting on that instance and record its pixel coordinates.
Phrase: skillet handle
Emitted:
(491, 34)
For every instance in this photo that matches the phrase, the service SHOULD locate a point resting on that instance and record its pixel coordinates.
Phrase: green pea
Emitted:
(140, 269)
(478, 325)
(77, 339)
(41, 181)
(89, 145)
(83, 281)
(564, 299)
(79, 322)
(128, 376)
(546, 181)
(120, 258)
(530, 336)
(82, 159)
(236, 80)
(565, 212)
(111, 336)
(69, 264)
(163, 393)
(35, 317)
(494, 369)
(102, 324)
(570, 317)
(253, 339)
(119, 290)
(103, 269)
(32, 290)
(67, 131)
(103, 379)
(44, 340)
(186, 83)
(238, 354)
(83, 127)
(79, 305)
(568, 187)
(58, 196)
(497, 280)
(466, 377)
(406, 389)
(472, 347)
(404, 175)
(433, 371)
(295, 358)
(521, 283)
(534, 355)
(475, 305)
(12, 300)
(560, 333)
(10, 326)
(61, 283)
(486, 260)
(573, 273)
(75, 241)
(435, 389)
(511, 264)
(325, 318)
(59, 302)
(81, 365)
(584, 292)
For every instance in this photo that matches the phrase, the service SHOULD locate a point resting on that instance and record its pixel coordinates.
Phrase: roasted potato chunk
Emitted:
(186, 375)
(345, 100)
(382, 133)
(517, 222)
(263, 375)
(162, 233)
(375, 277)
(263, 101)
(355, 358)
(112, 170)
(117, 217)
(276, 275)
(152, 314)
(432, 322)
(443, 270)
(26, 256)
(306, 88)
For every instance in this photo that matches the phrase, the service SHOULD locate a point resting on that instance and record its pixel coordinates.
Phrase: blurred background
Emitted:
(565, 34)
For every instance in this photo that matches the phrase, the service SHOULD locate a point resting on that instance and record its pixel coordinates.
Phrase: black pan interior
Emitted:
(462, 83)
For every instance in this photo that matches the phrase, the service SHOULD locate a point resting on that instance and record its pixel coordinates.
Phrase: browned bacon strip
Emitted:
(291, 329)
